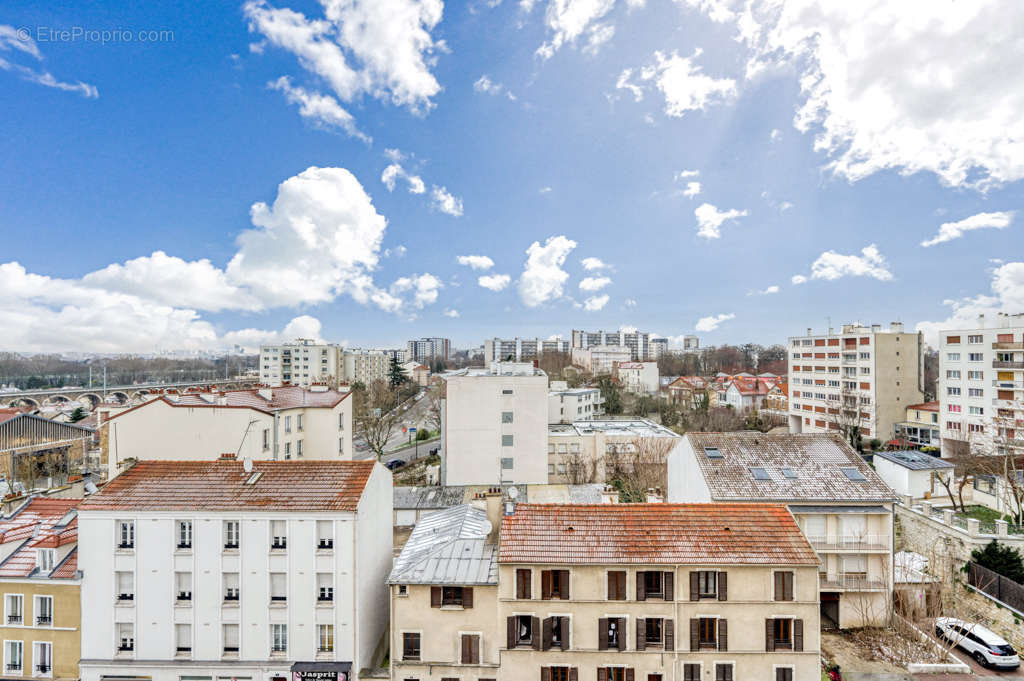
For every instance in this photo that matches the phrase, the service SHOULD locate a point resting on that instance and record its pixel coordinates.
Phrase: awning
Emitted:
(322, 671)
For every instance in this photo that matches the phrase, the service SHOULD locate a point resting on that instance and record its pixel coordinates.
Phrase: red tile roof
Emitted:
(924, 406)
(222, 485)
(654, 534)
(34, 525)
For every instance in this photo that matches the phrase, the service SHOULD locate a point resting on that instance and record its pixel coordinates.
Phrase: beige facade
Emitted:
(600, 359)
(639, 377)
(62, 636)
(365, 366)
(302, 362)
(578, 452)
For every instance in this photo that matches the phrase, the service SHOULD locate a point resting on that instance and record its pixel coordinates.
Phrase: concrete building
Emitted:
(600, 359)
(921, 427)
(428, 350)
(912, 473)
(637, 342)
(843, 507)
(267, 423)
(37, 453)
(365, 366)
(228, 569)
(657, 347)
(494, 425)
(301, 362)
(639, 377)
(521, 349)
(862, 376)
(580, 452)
(41, 628)
(419, 374)
(981, 384)
(574, 404)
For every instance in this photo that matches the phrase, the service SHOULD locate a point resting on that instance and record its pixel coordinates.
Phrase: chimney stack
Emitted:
(247, 465)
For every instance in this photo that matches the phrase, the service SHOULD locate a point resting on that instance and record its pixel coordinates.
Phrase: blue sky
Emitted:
(261, 170)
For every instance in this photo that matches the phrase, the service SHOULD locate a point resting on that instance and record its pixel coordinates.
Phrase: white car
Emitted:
(986, 647)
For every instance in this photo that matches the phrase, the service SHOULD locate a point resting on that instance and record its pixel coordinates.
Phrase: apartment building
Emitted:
(581, 451)
(863, 376)
(843, 507)
(981, 384)
(920, 428)
(639, 377)
(301, 362)
(266, 570)
(494, 425)
(600, 359)
(428, 350)
(521, 349)
(41, 584)
(714, 591)
(657, 347)
(365, 366)
(267, 423)
(637, 342)
(574, 404)
(418, 374)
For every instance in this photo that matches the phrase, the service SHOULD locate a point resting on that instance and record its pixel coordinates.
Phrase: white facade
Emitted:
(365, 366)
(908, 479)
(600, 359)
(521, 349)
(568, 405)
(637, 342)
(658, 347)
(302, 362)
(494, 425)
(428, 349)
(639, 377)
(169, 636)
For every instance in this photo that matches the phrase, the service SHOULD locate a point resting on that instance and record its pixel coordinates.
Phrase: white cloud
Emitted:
(448, 312)
(395, 171)
(775, 135)
(629, 302)
(683, 174)
(424, 287)
(765, 291)
(494, 282)
(710, 219)
(487, 86)
(545, 190)
(798, 279)
(303, 326)
(20, 42)
(692, 189)
(784, 206)
(1007, 297)
(445, 202)
(591, 264)
(711, 323)
(684, 86)
(322, 110)
(591, 284)
(831, 265)
(477, 262)
(625, 83)
(543, 277)
(594, 303)
(899, 85)
(570, 19)
(625, 328)
(598, 35)
(954, 230)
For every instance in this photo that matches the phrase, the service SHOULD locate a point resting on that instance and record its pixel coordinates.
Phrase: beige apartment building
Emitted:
(863, 376)
(579, 452)
(600, 359)
(301, 362)
(365, 366)
(715, 592)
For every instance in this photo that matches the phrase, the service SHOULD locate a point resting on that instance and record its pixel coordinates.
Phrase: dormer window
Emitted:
(45, 560)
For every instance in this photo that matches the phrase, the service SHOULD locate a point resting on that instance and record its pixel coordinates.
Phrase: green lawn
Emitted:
(985, 514)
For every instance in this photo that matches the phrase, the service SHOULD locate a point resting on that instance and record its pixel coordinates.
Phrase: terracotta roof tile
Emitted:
(68, 568)
(35, 526)
(654, 534)
(222, 486)
(924, 406)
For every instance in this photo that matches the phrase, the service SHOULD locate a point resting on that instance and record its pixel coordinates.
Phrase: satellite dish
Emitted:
(513, 493)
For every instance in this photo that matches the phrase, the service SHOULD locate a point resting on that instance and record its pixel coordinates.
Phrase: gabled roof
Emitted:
(448, 547)
(924, 406)
(654, 534)
(754, 386)
(815, 460)
(284, 397)
(224, 485)
(41, 523)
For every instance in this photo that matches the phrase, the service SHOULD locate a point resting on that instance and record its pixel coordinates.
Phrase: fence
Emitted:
(1001, 588)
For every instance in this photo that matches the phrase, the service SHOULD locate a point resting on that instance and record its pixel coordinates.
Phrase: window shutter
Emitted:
(467, 649)
(534, 631)
(694, 586)
(769, 634)
(602, 674)
(545, 641)
(467, 597)
(778, 586)
(622, 633)
(511, 631)
(527, 583)
(622, 585)
(563, 584)
(787, 582)
(435, 597)
(574, 674)
(723, 635)
(613, 586)
(669, 632)
(630, 675)
(545, 674)
(694, 634)
(668, 586)
(602, 634)
(545, 584)
(476, 650)
(641, 594)
(723, 586)
(798, 635)
(641, 638)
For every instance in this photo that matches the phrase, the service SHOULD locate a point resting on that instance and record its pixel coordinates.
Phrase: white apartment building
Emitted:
(637, 342)
(574, 404)
(521, 349)
(494, 425)
(267, 423)
(232, 570)
(862, 374)
(365, 366)
(428, 349)
(639, 377)
(981, 383)
(591, 445)
(657, 347)
(301, 362)
(600, 359)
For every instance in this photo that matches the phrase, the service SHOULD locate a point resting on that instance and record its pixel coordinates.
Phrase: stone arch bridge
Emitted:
(124, 394)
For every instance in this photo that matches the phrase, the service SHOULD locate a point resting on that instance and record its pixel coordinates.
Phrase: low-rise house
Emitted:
(265, 570)
(913, 473)
(418, 373)
(747, 393)
(687, 391)
(843, 507)
(776, 401)
(582, 452)
(574, 404)
(41, 584)
(638, 377)
(921, 427)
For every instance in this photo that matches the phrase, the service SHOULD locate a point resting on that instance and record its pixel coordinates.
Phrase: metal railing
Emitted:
(852, 581)
(853, 542)
(1007, 365)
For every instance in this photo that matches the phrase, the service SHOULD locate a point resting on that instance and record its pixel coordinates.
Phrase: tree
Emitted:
(638, 466)
(846, 418)
(77, 415)
(611, 394)
(395, 374)
(376, 415)
(1001, 559)
(966, 466)
(434, 409)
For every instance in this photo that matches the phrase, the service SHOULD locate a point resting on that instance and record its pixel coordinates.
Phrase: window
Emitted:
(524, 630)
(975, 339)
(506, 440)
(558, 673)
(341, 420)
(712, 453)
(287, 424)
(325, 535)
(691, 672)
(611, 634)
(953, 356)
(853, 474)
(298, 422)
(783, 633)
(325, 587)
(278, 587)
(43, 654)
(975, 357)
(452, 595)
(523, 578)
(125, 586)
(723, 671)
(952, 390)
(44, 611)
(279, 638)
(506, 417)
(953, 407)
(616, 585)
(325, 638)
(231, 529)
(707, 633)
(14, 656)
(183, 585)
(183, 639)
(953, 373)
(506, 391)
(266, 439)
(231, 589)
(470, 644)
(614, 673)
(760, 474)
(864, 371)
(403, 590)
(554, 584)
(14, 606)
(125, 534)
(125, 637)
(866, 355)
(652, 583)
(506, 463)
(184, 534)
(410, 645)
(783, 586)
(278, 534)
(231, 639)
(789, 473)
(341, 445)
(44, 560)
(707, 584)
(786, 673)
(298, 448)
(975, 375)
(976, 411)
(653, 631)
(287, 450)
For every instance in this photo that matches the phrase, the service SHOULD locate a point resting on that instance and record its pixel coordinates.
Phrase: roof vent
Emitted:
(569, 529)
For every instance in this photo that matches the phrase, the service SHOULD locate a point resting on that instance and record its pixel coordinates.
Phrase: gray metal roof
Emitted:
(915, 461)
(448, 547)
(431, 497)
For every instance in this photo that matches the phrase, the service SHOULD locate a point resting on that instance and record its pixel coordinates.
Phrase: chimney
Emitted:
(266, 393)
(492, 504)
(227, 456)
(247, 465)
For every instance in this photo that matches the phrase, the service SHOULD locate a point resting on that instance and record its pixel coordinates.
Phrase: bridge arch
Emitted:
(57, 399)
(119, 396)
(24, 402)
(138, 395)
(90, 400)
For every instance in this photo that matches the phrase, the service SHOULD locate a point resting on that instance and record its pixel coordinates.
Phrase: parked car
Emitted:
(985, 646)
(394, 463)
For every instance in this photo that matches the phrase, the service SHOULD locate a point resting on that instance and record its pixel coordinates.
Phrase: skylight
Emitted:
(853, 474)
(790, 473)
(760, 473)
(713, 453)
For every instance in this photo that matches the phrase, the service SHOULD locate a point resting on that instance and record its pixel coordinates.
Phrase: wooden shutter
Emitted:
(602, 674)
(669, 633)
(723, 635)
(622, 633)
(602, 634)
(511, 631)
(535, 632)
(668, 586)
(527, 583)
(574, 674)
(694, 585)
(476, 649)
(779, 589)
(613, 586)
(798, 635)
(545, 674)
(723, 585)
(467, 649)
(769, 634)
(641, 593)
(621, 577)
(435, 597)
(630, 674)
(787, 586)
(545, 641)
(467, 597)
(545, 584)
(563, 584)
(641, 637)
(694, 634)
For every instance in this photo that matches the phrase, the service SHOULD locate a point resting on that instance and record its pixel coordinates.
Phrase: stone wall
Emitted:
(965, 604)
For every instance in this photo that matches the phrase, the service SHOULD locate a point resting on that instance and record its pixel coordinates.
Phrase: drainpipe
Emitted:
(277, 423)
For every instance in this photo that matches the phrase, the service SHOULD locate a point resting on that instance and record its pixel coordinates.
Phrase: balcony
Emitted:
(1007, 365)
(44, 620)
(1007, 346)
(858, 543)
(1008, 385)
(43, 668)
(15, 667)
(325, 544)
(851, 581)
(14, 619)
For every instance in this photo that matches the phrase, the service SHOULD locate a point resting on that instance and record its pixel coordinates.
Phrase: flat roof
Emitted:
(626, 428)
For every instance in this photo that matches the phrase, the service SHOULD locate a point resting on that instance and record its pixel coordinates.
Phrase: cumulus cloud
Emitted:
(954, 230)
(711, 323)
(321, 110)
(477, 262)
(569, 20)
(448, 312)
(443, 201)
(692, 189)
(20, 44)
(303, 326)
(625, 83)
(423, 287)
(1007, 296)
(765, 291)
(543, 277)
(831, 265)
(591, 284)
(594, 303)
(545, 190)
(798, 279)
(684, 174)
(591, 264)
(395, 172)
(710, 219)
(683, 84)
(494, 282)
(629, 302)
(488, 87)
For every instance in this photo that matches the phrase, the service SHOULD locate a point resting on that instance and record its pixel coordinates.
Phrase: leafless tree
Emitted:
(638, 466)
(967, 465)
(580, 468)
(433, 398)
(376, 414)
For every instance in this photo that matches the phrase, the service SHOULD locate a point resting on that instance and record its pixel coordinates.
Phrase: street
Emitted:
(416, 415)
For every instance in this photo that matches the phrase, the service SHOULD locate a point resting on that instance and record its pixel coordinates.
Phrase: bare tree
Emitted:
(434, 396)
(846, 417)
(967, 465)
(377, 415)
(638, 466)
(580, 468)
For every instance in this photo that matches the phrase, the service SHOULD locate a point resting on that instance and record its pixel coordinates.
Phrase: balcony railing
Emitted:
(43, 668)
(13, 667)
(852, 581)
(14, 619)
(1007, 346)
(44, 619)
(858, 542)
(1007, 365)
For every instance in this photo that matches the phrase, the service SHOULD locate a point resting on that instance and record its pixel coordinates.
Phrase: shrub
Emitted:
(1000, 559)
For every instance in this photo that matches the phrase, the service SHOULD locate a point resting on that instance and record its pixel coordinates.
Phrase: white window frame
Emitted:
(47, 564)
(320, 637)
(37, 609)
(7, 656)
(20, 598)
(37, 648)
(237, 525)
(124, 537)
(274, 629)
(184, 531)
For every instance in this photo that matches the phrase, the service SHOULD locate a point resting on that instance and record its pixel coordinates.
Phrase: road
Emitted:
(416, 415)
